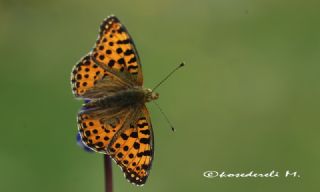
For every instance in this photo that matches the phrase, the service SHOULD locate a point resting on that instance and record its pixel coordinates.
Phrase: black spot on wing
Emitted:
(134, 135)
(124, 136)
(145, 140)
(132, 60)
(146, 132)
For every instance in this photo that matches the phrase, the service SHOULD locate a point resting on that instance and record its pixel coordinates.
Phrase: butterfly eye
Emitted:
(154, 96)
(150, 95)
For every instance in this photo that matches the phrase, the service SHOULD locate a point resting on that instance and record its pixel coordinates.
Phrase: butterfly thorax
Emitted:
(124, 98)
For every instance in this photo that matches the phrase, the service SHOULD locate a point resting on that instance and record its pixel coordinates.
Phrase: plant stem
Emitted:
(107, 173)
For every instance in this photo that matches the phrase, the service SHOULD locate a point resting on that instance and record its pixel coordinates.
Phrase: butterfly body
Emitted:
(132, 97)
(115, 120)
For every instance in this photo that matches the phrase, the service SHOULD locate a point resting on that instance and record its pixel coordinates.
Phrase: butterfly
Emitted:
(114, 119)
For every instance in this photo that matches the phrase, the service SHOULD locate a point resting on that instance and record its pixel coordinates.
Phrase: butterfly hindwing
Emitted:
(116, 52)
(85, 75)
(97, 127)
(132, 149)
(89, 80)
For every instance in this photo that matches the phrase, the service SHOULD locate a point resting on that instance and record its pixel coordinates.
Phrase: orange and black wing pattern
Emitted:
(132, 148)
(89, 80)
(116, 52)
(85, 75)
(96, 131)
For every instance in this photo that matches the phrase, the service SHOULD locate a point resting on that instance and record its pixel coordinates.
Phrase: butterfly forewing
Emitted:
(132, 149)
(116, 52)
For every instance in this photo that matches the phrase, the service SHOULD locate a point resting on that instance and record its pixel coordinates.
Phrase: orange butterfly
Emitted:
(115, 120)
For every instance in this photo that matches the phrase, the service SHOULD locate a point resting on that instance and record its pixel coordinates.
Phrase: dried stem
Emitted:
(107, 173)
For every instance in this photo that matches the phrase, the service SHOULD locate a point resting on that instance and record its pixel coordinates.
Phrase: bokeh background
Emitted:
(248, 98)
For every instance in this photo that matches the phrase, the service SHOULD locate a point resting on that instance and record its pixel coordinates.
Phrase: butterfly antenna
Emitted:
(165, 116)
(163, 80)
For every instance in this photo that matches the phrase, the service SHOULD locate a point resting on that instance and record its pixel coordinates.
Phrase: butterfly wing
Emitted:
(125, 135)
(97, 127)
(89, 80)
(132, 147)
(112, 65)
(116, 52)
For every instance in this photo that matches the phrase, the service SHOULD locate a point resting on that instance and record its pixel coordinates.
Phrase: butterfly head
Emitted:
(150, 95)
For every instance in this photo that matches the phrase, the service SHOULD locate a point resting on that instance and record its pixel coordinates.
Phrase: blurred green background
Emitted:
(248, 98)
